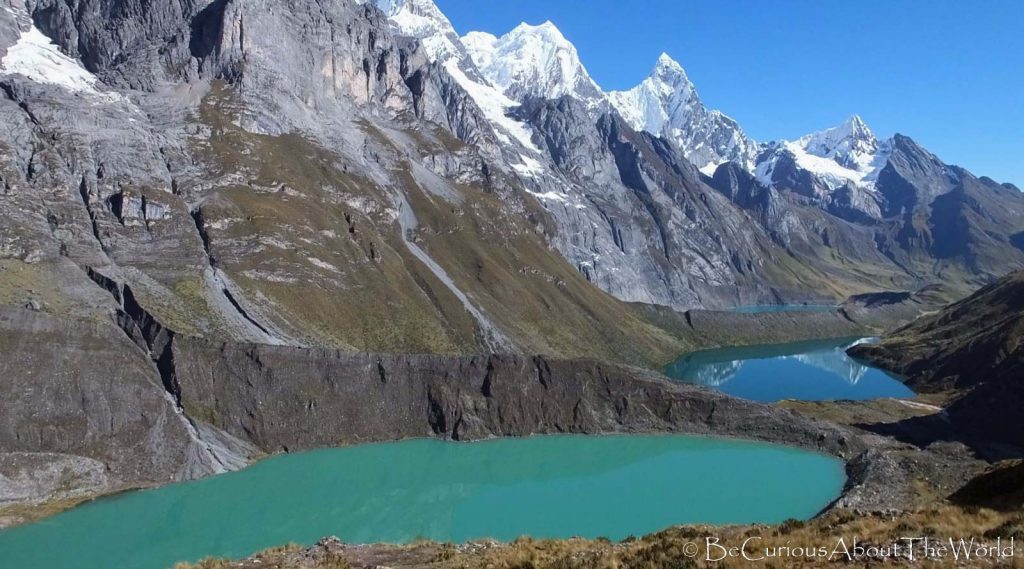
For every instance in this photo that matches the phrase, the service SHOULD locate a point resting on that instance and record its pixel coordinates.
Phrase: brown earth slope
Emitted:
(973, 351)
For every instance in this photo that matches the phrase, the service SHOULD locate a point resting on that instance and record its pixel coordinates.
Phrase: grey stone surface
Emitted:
(83, 408)
(284, 398)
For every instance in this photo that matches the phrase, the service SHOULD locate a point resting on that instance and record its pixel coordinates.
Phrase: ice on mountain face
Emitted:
(481, 47)
(423, 20)
(36, 57)
(532, 61)
(495, 106)
(649, 106)
(851, 144)
(666, 104)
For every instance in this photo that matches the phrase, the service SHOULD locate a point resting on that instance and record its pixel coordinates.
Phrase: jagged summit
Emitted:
(849, 140)
(538, 61)
(666, 103)
(669, 80)
(546, 27)
(848, 153)
(667, 65)
(532, 61)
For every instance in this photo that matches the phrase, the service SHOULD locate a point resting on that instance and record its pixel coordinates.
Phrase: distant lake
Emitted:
(551, 486)
(813, 371)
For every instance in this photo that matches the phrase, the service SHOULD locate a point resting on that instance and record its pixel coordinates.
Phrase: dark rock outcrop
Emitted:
(715, 328)
(970, 342)
(283, 398)
(81, 397)
(1000, 487)
(891, 309)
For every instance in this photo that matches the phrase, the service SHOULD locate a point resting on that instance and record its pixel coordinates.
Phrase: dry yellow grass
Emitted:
(785, 545)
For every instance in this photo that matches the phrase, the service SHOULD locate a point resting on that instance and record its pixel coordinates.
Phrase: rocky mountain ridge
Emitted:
(838, 170)
(287, 173)
(666, 103)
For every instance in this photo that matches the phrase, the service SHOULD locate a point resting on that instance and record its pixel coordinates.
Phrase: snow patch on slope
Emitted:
(545, 196)
(39, 59)
(495, 106)
(529, 167)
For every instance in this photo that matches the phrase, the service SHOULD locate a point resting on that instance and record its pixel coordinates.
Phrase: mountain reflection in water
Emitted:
(815, 370)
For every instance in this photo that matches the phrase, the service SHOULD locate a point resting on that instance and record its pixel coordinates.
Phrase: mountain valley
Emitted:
(234, 229)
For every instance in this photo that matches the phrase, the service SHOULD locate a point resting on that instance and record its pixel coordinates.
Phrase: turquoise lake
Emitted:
(817, 370)
(552, 486)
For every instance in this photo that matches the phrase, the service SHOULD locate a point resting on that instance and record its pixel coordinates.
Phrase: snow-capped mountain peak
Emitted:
(666, 103)
(532, 61)
(846, 153)
(668, 68)
(539, 61)
(665, 61)
(850, 144)
(423, 20)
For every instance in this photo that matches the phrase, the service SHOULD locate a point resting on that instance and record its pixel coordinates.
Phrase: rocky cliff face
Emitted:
(89, 407)
(292, 173)
(206, 184)
(285, 398)
(84, 411)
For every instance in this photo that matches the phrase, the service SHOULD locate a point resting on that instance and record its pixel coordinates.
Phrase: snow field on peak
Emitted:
(537, 60)
(532, 60)
(847, 153)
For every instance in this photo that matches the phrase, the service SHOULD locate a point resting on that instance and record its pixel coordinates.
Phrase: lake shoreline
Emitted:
(808, 370)
(445, 491)
(199, 359)
(471, 398)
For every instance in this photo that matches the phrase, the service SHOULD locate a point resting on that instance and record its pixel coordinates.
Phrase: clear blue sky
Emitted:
(949, 74)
